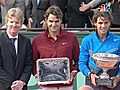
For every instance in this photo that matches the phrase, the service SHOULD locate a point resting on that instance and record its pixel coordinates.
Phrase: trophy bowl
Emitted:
(105, 61)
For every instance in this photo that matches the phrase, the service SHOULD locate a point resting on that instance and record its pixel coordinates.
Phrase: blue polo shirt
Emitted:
(91, 42)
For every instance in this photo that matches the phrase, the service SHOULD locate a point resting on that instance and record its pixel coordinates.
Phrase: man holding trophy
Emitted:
(99, 54)
(55, 43)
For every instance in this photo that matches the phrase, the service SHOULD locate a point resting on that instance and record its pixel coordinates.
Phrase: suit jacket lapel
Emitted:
(8, 43)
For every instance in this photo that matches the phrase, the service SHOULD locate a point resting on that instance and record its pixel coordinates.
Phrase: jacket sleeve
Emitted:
(35, 56)
(5, 78)
(28, 10)
(28, 63)
(76, 52)
(84, 58)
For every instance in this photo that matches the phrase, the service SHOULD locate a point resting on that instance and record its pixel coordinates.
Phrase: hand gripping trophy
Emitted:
(105, 61)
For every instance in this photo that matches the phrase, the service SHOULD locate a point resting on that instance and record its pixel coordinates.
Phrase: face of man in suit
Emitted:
(13, 26)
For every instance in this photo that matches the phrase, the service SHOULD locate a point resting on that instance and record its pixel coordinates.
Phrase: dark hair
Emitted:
(106, 15)
(54, 10)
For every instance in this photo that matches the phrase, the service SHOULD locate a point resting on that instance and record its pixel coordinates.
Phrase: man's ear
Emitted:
(60, 20)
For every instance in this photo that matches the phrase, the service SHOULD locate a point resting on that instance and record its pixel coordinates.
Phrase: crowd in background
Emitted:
(77, 13)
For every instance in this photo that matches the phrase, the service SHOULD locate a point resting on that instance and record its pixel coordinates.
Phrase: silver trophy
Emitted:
(105, 61)
(53, 70)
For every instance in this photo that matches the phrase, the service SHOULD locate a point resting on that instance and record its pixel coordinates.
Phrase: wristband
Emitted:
(74, 72)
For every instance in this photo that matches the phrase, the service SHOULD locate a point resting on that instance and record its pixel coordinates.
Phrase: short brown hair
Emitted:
(54, 10)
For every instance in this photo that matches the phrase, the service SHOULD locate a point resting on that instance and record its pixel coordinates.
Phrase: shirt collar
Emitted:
(51, 39)
(10, 36)
(58, 35)
(108, 32)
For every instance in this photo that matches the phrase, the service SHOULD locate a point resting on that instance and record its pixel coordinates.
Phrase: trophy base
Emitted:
(104, 82)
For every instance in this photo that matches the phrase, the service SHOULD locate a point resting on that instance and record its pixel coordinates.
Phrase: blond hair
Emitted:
(15, 12)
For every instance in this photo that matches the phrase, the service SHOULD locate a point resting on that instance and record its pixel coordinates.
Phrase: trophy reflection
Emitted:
(105, 61)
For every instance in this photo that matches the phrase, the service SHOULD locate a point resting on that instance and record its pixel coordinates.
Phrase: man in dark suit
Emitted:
(35, 11)
(15, 68)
